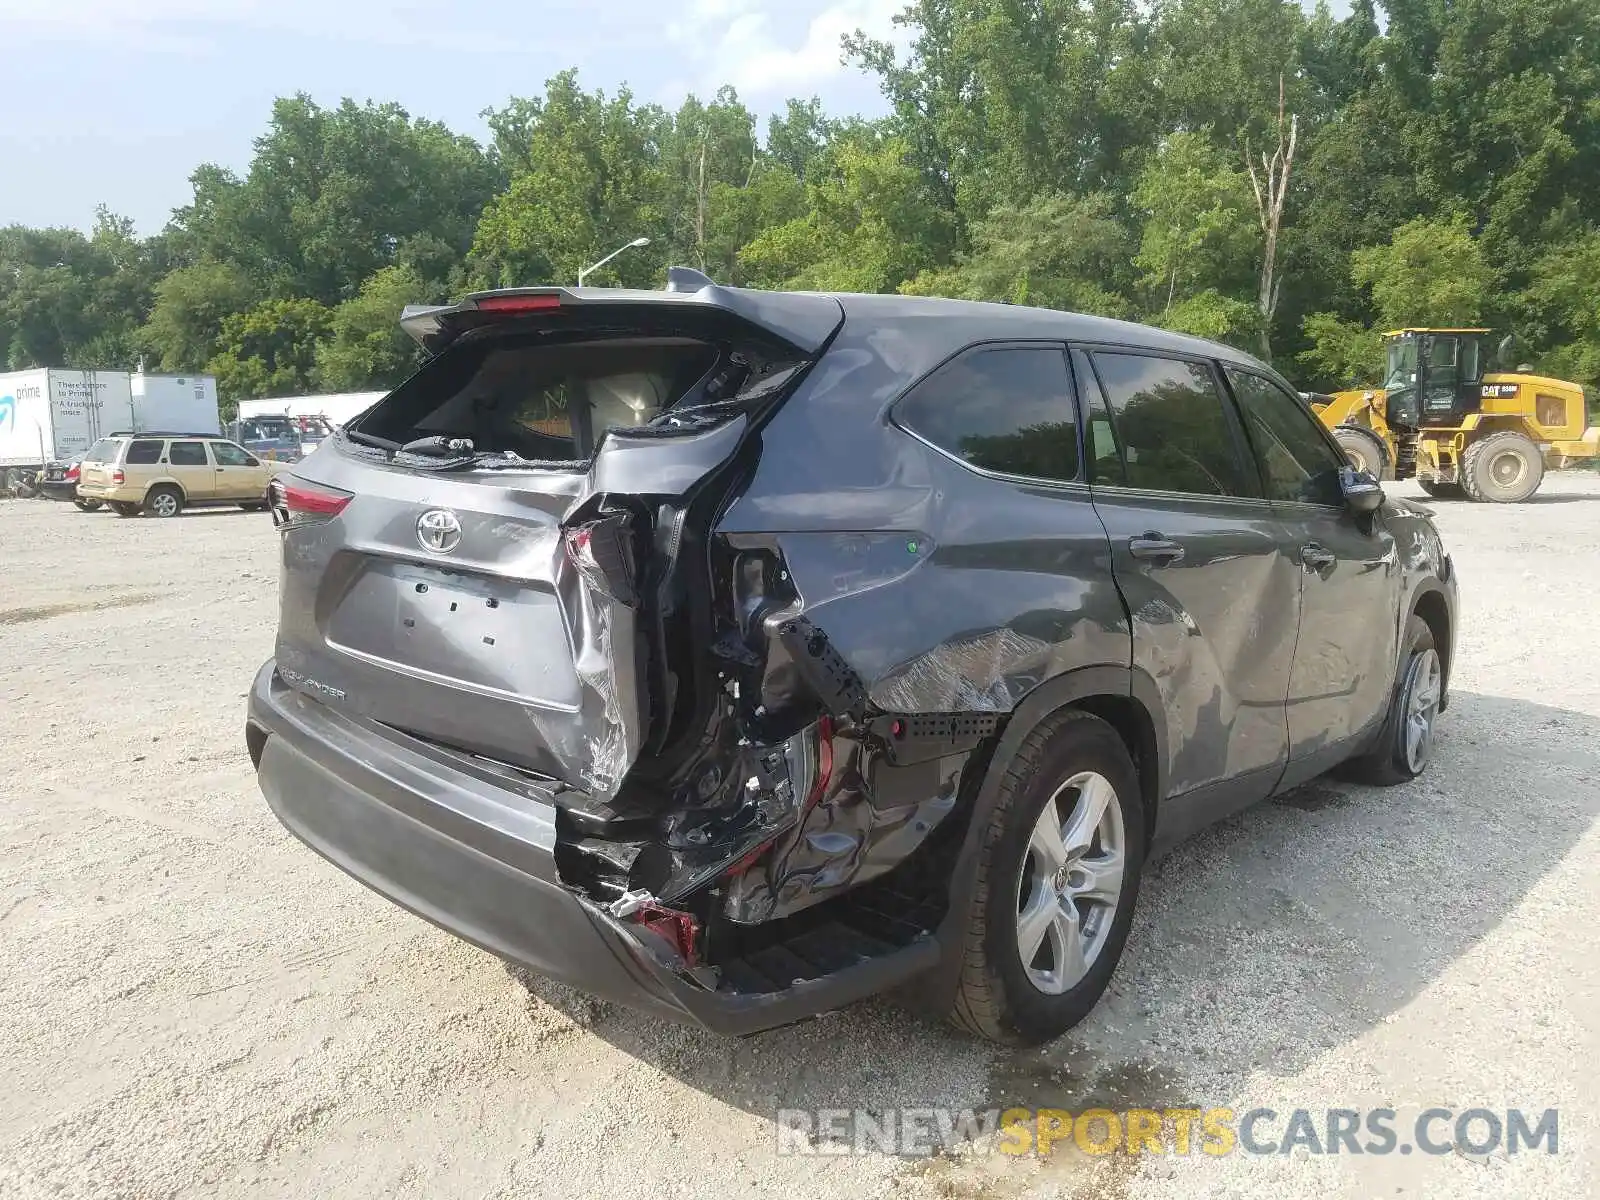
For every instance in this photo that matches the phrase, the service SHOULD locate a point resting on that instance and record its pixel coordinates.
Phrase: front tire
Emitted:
(1056, 884)
(1405, 746)
(1502, 468)
(1365, 450)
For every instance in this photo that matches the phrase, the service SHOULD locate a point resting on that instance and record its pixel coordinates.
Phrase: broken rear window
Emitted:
(545, 401)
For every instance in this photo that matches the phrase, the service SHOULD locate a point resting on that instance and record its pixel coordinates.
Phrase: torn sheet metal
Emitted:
(871, 817)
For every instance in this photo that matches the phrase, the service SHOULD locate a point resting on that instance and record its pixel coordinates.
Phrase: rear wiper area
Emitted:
(439, 446)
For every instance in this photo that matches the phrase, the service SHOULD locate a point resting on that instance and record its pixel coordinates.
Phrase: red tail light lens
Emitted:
(72, 472)
(118, 477)
(518, 304)
(603, 553)
(296, 502)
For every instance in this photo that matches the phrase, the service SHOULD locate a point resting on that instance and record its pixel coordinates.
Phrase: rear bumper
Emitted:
(476, 857)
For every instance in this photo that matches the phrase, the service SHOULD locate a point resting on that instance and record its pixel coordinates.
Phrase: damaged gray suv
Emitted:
(735, 655)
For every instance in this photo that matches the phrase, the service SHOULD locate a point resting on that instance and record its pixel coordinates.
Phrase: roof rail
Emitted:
(687, 279)
(159, 433)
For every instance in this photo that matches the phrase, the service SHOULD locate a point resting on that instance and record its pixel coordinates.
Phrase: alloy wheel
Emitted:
(1070, 882)
(1422, 706)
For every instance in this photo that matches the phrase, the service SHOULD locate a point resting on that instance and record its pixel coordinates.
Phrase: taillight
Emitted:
(603, 553)
(72, 472)
(295, 502)
(118, 477)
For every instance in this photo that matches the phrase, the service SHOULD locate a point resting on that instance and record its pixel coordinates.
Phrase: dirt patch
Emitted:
(43, 612)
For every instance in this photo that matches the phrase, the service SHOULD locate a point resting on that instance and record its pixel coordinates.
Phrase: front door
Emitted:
(191, 466)
(1350, 578)
(1198, 555)
(240, 474)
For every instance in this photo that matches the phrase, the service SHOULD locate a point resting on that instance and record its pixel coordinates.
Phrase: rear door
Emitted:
(189, 463)
(1200, 560)
(1349, 578)
(506, 555)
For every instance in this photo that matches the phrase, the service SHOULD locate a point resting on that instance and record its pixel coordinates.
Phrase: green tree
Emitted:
(1199, 240)
(1056, 252)
(365, 347)
(1342, 353)
(588, 178)
(271, 350)
(1430, 273)
(869, 228)
(185, 321)
(332, 194)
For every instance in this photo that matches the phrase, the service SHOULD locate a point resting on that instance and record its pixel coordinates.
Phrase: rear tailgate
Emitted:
(517, 611)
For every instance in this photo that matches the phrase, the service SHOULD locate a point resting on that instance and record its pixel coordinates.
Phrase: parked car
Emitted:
(163, 473)
(736, 655)
(59, 481)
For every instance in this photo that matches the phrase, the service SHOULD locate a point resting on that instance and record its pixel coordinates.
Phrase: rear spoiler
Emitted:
(804, 320)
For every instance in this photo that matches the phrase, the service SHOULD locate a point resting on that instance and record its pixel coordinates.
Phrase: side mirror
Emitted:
(252, 461)
(1362, 493)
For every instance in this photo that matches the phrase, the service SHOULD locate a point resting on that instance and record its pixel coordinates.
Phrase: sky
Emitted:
(117, 101)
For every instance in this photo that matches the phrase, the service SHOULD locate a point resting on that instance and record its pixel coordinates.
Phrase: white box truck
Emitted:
(53, 414)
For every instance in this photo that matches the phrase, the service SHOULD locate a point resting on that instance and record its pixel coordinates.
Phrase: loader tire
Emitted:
(1365, 450)
(1502, 468)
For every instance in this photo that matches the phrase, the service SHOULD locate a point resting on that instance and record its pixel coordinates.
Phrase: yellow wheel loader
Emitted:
(1440, 418)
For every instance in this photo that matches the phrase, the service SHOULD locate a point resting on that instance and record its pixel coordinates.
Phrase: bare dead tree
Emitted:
(1271, 186)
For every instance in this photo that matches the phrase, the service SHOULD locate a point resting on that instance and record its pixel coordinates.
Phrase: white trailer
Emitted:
(178, 403)
(52, 414)
(336, 408)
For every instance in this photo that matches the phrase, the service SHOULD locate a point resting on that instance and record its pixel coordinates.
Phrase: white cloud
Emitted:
(734, 41)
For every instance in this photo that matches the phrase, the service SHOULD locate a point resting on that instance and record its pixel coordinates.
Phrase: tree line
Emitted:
(1246, 170)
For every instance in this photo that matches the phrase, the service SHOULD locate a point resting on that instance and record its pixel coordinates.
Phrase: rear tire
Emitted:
(164, 501)
(87, 505)
(1502, 468)
(1075, 914)
(124, 508)
(1405, 747)
(1441, 491)
(1365, 450)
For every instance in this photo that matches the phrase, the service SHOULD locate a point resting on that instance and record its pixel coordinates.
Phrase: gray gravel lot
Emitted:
(194, 1004)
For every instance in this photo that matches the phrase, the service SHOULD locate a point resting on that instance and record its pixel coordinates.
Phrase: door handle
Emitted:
(1152, 547)
(1315, 558)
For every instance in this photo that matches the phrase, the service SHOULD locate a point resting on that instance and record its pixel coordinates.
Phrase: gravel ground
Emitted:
(194, 1004)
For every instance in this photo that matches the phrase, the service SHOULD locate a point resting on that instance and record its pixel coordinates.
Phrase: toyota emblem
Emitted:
(439, 530)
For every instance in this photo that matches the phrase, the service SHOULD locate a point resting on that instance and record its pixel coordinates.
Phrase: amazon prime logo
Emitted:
(439, 530)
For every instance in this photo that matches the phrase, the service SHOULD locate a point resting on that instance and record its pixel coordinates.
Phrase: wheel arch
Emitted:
(1127, 700)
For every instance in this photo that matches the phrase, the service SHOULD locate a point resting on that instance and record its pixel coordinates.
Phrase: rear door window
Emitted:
(1006, 409)
(188, 454)
(1173, 429)
(144, 452)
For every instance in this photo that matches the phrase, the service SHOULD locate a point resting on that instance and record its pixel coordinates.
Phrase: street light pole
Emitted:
(592, 267)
